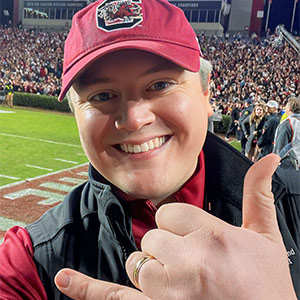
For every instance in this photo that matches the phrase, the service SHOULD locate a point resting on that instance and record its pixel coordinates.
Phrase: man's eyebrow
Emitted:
(89, 80)
(162, 67)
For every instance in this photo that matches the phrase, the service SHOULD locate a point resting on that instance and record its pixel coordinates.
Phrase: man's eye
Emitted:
(102, 97)
(159, 86)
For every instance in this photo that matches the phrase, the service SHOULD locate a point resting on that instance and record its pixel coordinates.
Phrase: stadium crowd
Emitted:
(33, 60)
(247, 72)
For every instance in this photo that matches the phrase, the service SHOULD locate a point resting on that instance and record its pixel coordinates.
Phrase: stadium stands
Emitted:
(260, 69)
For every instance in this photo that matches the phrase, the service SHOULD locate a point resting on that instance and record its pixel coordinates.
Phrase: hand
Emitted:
(202, 257)
(198, 256)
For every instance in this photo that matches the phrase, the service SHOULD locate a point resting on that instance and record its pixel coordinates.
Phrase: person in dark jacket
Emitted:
(246, 112)
(266, 140)
(9, 94)
(234, 120)
(252, 129)
(139, 89)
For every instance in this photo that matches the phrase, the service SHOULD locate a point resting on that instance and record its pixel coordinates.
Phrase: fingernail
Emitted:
(62, 279)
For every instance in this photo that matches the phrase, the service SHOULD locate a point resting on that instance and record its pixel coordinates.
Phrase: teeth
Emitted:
(137, 149)
(144, 147)
(154, 143)
(150, 145)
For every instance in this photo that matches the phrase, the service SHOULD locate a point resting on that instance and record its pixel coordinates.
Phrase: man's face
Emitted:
(288, 109)
(142, 122)
(271, 110)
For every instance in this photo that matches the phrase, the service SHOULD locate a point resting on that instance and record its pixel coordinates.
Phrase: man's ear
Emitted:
(207, 94)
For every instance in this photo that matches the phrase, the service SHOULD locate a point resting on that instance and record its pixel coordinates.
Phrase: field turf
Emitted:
(35, 142)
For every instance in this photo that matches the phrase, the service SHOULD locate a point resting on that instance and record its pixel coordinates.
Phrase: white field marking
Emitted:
(6, 223)
(40, 140)
(83, 174)
(72, 180)
(68, 161)
(51, 198)
(37, 167)
(44, 175)
(1, 241)
(57, 186)
(9, 177)
(6, 112)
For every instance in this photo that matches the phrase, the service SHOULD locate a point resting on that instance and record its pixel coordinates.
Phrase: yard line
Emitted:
(6, 112)
(45, 175)
(37, 167)
(68, 161)
(9, 177)
(40, 140)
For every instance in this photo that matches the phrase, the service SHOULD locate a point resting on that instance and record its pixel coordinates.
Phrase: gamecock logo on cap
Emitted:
(119, 14)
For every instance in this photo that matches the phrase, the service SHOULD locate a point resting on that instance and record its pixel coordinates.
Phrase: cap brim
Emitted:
(187, 58)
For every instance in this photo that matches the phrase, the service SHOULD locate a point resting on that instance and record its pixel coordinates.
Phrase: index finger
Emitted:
(81, 287)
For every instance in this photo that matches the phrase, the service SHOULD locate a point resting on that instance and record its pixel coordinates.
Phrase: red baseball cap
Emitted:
(105, 26)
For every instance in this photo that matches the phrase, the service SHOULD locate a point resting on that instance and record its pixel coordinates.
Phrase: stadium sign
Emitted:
(55, 4)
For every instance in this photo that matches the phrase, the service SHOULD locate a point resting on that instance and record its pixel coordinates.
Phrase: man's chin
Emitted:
(155, 197)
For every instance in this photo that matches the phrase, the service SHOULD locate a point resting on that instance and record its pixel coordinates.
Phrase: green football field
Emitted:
(34, 143)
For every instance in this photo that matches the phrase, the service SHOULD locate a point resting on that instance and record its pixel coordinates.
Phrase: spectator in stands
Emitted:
(288, 135)
(266, 140)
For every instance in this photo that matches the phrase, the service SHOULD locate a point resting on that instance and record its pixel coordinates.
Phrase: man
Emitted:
(234, 116)
(9, 94)
(246, 112)
(287, 135)
(142, 108)
(266, 140)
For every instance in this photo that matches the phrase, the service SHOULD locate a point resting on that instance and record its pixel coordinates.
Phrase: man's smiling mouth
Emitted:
(144, 147)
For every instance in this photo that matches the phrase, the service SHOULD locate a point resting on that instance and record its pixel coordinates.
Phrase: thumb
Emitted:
(81, 287)
(259, 212)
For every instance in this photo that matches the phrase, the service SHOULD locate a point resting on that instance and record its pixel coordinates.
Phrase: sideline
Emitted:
(40, 140)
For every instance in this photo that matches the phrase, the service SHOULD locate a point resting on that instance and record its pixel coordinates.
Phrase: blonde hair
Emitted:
(254, 118)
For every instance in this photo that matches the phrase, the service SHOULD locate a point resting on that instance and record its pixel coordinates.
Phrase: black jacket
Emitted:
(266, 140)
(249, 131)
(90, 231)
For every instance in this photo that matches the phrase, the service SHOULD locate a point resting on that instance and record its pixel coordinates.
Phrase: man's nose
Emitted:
(134, 114)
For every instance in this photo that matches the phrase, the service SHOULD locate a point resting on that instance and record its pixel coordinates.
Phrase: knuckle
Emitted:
(81, 290)
(114, 294)
(150, 238)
